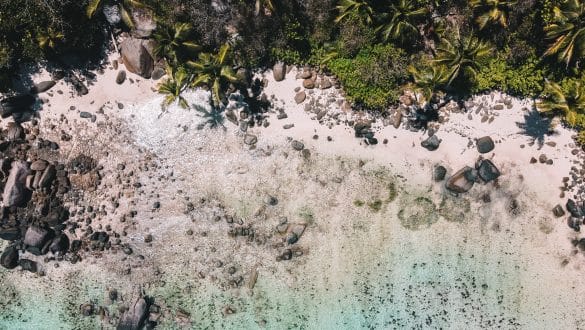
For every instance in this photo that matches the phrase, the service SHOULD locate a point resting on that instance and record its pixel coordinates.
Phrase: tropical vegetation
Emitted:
(530, 48)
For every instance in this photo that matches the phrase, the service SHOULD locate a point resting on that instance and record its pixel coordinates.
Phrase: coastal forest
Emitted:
(377, 49)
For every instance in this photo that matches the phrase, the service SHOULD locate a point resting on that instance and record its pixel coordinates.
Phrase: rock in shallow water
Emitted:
(485, 144)
(134, 317)
(432, 143)
(487, 170)
(439, 173)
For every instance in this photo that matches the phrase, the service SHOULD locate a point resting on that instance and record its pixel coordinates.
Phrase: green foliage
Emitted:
(374, 76)
(567, 100)
(176, 83)
(492, 12)
(461, 56)
(399, 23)
(567, 32)
(214, 71)
(174, 42)
(524, 79)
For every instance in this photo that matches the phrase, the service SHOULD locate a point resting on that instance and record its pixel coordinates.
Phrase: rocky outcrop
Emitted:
(134, 317)
(136, 57)
(15, 191)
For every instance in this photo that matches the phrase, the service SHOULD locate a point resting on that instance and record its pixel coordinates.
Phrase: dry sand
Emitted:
(424, 259)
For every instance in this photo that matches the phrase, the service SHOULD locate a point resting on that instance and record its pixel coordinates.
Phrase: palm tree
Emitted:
(124, 6)
(567, 32)
(570, 103)
(215, 71)
(173, 42)
(492, 12)
(357, 8)
(430, 79)
(399, 23)
(461, 57)
(176, 83)
(50, 38)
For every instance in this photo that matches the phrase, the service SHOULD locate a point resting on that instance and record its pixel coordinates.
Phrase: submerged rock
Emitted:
(134, 317)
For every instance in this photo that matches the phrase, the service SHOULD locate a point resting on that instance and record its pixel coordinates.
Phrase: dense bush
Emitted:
(373, 78)
(524, 79)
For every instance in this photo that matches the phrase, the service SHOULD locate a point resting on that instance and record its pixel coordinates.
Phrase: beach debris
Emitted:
(460, 182)
(431, 143)
(485, 144)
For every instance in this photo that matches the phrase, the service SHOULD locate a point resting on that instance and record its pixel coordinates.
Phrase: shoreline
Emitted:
(218, 164)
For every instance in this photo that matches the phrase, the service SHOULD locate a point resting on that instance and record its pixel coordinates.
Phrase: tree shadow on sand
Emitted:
(536, 126)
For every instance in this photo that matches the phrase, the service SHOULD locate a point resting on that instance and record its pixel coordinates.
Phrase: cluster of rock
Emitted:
(463, 180)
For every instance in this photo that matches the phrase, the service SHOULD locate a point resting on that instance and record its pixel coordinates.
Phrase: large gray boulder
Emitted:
(37, 239)
(9, 258)
(279, 71)
(15, 191)
(134, 317)
(460, 181)
(136, 57)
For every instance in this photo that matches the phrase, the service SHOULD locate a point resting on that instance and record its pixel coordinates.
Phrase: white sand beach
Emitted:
(384, 246)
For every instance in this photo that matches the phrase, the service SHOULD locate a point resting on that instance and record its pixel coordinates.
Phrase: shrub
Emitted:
(524, 79)
(373, 77)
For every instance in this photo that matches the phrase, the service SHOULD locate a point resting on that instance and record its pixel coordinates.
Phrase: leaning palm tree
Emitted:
(174, 86)
(567, 32)
(399, 23)
(492, 12)
(173, 42)
(124, 6)
(461, 57)
(50, 38)
(569, 103)
(429, 80)
(357, 8)
(214, 71)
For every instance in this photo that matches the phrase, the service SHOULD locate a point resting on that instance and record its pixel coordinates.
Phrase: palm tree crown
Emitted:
(399, 23)
(176, 83)
(173, 42)
(461, 57)
(567, 32)
(492, 12)
(357, 8)
(570, 103)
(215, 71)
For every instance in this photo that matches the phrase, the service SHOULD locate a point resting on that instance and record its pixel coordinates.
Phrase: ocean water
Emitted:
(379, 251)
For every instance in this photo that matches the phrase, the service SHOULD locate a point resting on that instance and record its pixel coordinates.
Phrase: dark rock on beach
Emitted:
(9, 258)
(485, 144)
(43, 86)
(121, 77)
(37, 239)
(460, 181)
(573, 209)
(558, 211)
(28, 265)
(439, 173)
(432, 143)
(487, 171)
